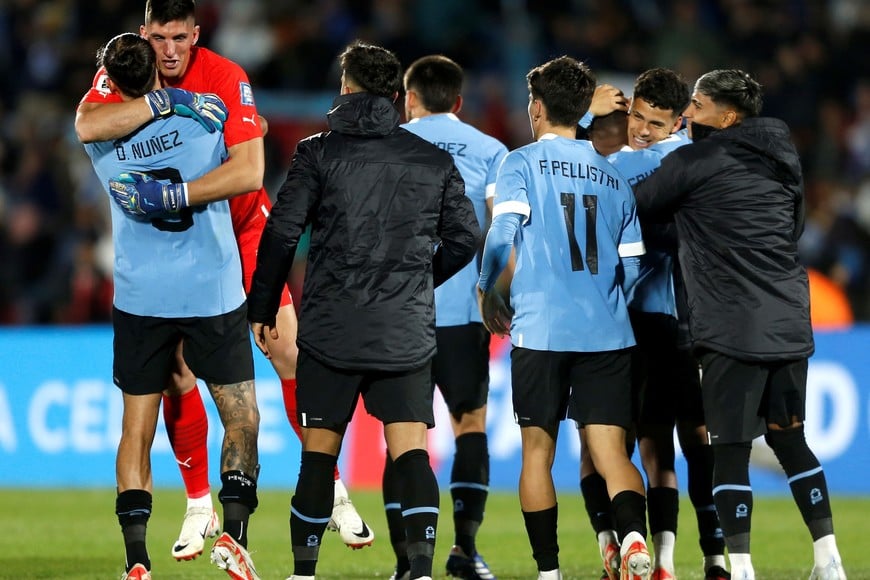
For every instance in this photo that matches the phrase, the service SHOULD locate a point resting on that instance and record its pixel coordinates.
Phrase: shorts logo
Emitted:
(247, 95)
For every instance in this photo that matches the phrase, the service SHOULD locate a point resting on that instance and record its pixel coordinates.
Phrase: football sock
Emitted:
(133, 508)
(663, 505)
(629, 511)
(597, 502)
(732, 494)
(699, 462)
(420, 498)
(391, 489)
(805, 477)
(541, 527)
(469, 487)
(187, 429)
(310, 509)
(238, 496)
(825, 550)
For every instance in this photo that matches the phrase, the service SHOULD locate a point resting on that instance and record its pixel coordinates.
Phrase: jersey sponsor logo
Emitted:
(247, 95)
(249, 120)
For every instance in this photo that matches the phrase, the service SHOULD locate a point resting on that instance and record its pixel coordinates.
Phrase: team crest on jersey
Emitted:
(246, 93)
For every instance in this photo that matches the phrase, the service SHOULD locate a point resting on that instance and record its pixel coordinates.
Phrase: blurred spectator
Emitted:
(808, 54)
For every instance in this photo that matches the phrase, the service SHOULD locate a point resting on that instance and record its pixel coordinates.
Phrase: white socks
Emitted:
(340, 491)
(200, 502)
(663, 544)
(825, 551)
(741, 567)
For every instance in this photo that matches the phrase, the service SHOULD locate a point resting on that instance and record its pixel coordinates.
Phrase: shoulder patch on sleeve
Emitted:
(102, 84)
(247, 95)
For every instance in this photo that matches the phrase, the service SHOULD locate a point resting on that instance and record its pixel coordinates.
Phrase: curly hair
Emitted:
(664, 89)
(372, 68)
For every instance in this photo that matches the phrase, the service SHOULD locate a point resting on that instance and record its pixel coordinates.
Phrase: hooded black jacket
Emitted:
(737, 200)
(378, 199)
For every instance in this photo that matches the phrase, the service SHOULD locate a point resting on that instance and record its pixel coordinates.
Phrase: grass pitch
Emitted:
(75, 535)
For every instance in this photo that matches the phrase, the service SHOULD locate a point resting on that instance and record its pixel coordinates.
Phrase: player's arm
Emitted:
(241, 173)
(495, 313)
(113, 120)
(108, 121)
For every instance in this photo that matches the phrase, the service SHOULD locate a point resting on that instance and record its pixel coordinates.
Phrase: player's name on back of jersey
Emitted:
(452, 148)
(145, 148)
(574, 170)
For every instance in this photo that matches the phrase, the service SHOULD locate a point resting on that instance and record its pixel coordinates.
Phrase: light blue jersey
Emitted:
(654, 291)
(477, 156)
(580, 219)
(183, 266)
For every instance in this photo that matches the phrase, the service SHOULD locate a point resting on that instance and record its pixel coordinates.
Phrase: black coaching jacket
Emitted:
(736, 197)
(378, 199)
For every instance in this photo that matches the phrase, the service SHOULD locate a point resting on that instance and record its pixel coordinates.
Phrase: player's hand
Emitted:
(607, 99)
(140, 196)
(207, 109)
(260, 331)
(495, 313)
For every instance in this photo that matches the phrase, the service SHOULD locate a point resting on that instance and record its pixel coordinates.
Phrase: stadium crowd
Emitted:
(55, 266)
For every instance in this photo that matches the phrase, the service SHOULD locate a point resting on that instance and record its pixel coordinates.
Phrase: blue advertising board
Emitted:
(60, 418)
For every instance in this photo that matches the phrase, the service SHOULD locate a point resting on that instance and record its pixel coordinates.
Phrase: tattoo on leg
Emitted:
(237, 405)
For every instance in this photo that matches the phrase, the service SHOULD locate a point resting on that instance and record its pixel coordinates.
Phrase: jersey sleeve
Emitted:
(631, 238)
(499, 152)
(511, 187)
(100, 91)
(231, 84)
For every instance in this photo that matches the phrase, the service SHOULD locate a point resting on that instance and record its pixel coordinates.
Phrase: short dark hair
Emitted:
(372, 68)
(437, 80)
(163, 11)
(664, 89)
(130, 62)
(732, 87)
(565, 86)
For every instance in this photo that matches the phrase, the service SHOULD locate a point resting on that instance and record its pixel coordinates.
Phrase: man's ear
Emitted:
(457, 106)
(678, 124)
(729, 117)
(195, 34)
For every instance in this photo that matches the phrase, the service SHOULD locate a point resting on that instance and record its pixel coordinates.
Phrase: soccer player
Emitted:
(571, 217)
(157, 305)
(378, 199)
(666, 375)
(433, 86)
(736, 197)
(171, 28)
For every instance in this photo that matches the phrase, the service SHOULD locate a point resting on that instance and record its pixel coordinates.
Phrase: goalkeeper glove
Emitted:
(140, 196)
(207, 109)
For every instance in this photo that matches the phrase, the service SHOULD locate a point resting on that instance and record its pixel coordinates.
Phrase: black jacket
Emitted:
(737, 200)
(378, 199)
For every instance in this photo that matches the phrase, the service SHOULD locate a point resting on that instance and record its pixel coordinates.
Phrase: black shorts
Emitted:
(461, 367)
(216, 348)
(591, 387)
(326, 396)
(667, 380)
(742, 397)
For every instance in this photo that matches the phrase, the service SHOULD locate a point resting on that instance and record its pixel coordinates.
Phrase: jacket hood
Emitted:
(363, 114)
(770, 139)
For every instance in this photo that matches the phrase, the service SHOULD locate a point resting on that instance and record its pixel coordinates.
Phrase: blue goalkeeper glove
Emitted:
(140, 196)
(207, 109)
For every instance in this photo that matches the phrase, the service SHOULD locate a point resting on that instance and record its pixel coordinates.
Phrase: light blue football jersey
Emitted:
(654, 291)
(477, 156)
(180, 266)
(580, 218)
